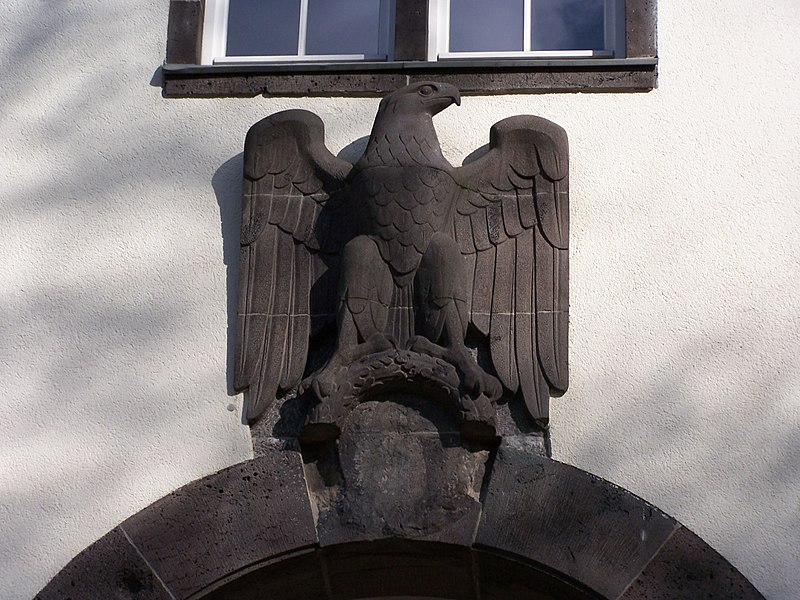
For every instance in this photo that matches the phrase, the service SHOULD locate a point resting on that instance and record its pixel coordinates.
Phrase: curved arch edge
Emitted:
(543, 525)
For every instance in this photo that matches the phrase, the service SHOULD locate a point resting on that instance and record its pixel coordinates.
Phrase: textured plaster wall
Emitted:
(119, 251)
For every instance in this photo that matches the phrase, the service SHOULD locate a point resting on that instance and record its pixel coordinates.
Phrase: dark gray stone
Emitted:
(641, 28)
(111, 569)
(411, 30)
(401, 371)
(280, 84)
(201, 533)
(536, 80)
(549, 532)
(575, 523)
(332, 84)
(185, 31)
(686, 568)
(383, 481)
(399, 255)
(524, 78)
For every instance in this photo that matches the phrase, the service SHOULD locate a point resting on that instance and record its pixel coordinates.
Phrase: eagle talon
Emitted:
(322, 384)
(491, 387)
(475, 380)
(379, 342)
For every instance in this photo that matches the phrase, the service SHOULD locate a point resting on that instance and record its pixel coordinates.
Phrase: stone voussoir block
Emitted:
(569, 520)
(240, 516)
(121, 574)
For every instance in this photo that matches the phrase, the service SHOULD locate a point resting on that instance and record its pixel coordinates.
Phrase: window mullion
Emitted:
(526, 27)
(301, 36)
(388, 24)
(383, 32)
(215, 36)
(612, 37)
(444, 30)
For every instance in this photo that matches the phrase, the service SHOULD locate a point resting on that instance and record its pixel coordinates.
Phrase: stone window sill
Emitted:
(372, 79)
(184, 76)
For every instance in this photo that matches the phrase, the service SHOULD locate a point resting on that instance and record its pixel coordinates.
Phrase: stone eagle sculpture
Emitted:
(403, 250)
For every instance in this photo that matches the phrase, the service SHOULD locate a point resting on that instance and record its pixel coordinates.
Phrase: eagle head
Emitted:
(423, 97)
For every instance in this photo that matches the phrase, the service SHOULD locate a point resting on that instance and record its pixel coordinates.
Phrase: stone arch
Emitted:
(543, 530)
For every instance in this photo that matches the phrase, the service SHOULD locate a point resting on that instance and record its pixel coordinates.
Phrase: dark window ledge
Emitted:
(376, 78)
(184, 76)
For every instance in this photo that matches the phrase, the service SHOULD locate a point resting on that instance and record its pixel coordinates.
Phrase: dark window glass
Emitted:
(255, 31)
(567, 24)
(343, 26)
(486, 26)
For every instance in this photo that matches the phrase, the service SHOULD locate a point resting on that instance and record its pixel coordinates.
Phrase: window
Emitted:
(526, 29)
(268, 31)
(345, 47)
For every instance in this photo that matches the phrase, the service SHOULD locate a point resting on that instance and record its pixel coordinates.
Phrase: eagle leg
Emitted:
(365, 294)
(441, 288)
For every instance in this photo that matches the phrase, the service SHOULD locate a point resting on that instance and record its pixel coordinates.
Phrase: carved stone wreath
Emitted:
(375, 376)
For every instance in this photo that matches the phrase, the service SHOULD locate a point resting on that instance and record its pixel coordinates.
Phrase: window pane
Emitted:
(256, 27)
(343, 26)
(567, 24)
(483, 26)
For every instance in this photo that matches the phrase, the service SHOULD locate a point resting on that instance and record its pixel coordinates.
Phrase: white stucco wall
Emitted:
(119, 227)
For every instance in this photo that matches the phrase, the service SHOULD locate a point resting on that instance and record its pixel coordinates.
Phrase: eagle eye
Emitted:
(426, 90)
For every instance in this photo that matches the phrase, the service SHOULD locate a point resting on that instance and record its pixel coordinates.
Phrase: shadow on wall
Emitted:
(689, 447)
(105, 217)
(227, 184)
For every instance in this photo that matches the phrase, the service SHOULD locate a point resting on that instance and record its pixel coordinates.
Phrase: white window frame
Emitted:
(215, 39)
(439, 36)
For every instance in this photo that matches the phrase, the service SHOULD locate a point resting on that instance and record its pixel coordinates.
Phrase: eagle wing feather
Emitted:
(512, 214)
(294, 224)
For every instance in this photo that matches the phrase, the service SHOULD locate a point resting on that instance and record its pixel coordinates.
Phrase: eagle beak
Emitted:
(446, 95)
(452, 92)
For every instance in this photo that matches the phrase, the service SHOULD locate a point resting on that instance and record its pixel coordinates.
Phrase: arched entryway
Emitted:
(401, 568)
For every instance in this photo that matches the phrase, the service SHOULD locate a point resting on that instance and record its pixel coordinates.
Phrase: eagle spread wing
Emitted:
(294, 223)
(512, 225)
